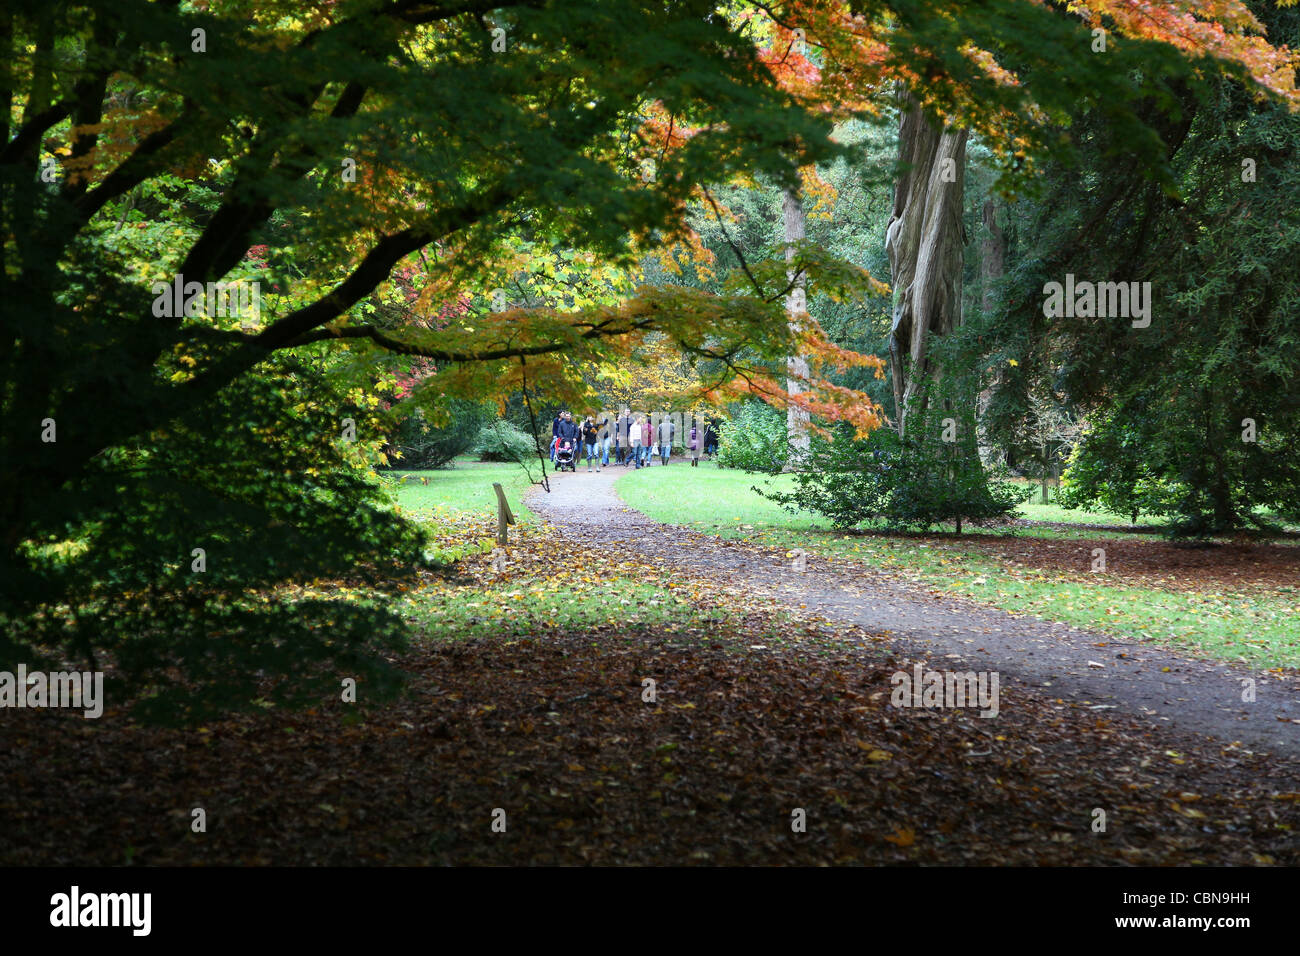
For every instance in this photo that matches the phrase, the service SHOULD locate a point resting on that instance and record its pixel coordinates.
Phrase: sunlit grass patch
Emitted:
(465, 488)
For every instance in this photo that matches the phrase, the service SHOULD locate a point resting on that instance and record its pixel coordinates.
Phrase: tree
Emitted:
(1192, 406)
(360, 141)
(925, 241)
(1009, 75)
(796, 306)
(1051, 431)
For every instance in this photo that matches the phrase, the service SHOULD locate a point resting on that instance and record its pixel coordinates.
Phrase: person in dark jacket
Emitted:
(711, 438)
(568, 429)
(591, 440)
(605, 441)
(647, 440)
(555, 433)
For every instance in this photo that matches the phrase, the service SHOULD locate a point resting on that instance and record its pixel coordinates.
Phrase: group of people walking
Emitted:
(633, 441)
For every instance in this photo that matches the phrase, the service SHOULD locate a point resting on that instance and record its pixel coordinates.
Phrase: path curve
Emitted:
(1181, 694)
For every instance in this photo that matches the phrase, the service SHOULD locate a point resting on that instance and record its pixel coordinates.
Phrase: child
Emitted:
(694, 445)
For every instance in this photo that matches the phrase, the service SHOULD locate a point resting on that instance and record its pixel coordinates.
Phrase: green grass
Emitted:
(465, 488)
(1035, 510)
(1260, 628)
(527, 606)
(524, 606)
(709, 497)
(719, 500)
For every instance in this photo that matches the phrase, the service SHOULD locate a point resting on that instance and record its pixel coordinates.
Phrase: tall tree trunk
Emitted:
(993, 249)
(993, 256)
(796, 305)
(924, 241)
(1042, 450)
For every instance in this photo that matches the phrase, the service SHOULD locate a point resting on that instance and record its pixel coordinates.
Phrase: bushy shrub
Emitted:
(754, 439)
(244, 490)
(424, 445)
(1132, 462)
(914, 484)
(503, 441)
(1107, 471)
(934, 482)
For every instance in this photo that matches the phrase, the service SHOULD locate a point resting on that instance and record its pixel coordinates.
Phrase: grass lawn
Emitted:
(548, 589)
(1259, 626)
(1035, 510)
(464, 488)
(709, 496)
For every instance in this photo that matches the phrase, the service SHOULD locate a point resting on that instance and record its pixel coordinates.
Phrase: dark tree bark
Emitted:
(993, 248)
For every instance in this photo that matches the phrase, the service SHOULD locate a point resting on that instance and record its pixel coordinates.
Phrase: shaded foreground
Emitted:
(553, 730)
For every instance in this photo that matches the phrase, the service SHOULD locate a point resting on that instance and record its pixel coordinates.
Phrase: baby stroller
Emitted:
(564, 457)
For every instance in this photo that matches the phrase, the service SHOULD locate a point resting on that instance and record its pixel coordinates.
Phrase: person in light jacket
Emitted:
(634, 443)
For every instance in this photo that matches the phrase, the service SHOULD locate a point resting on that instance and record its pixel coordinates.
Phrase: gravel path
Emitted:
(1181, 694)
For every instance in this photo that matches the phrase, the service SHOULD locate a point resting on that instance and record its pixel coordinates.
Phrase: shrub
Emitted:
(754, 440)
(914, 484)
(424, 445)
(246, 479)
(503, 441)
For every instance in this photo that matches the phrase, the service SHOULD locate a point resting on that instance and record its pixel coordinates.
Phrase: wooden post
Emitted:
(504, 515)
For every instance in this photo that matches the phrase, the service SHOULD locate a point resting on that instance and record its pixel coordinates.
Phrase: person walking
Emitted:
(666, 430)
(590, 442)
(711, 438)
(628, 429)
(569, 431)
(603, 440)
(634, 443)
(694, 444)
(555, 433)
(647, 440)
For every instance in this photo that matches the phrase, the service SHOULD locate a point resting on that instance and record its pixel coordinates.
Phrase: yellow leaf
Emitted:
(874, 754)
(904, 836)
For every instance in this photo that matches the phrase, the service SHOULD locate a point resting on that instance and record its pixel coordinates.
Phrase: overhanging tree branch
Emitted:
(383, 338)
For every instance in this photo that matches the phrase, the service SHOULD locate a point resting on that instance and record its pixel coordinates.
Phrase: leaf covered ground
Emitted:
(539, 712)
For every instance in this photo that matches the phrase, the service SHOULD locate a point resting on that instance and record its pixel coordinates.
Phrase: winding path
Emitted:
(1185, 695)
